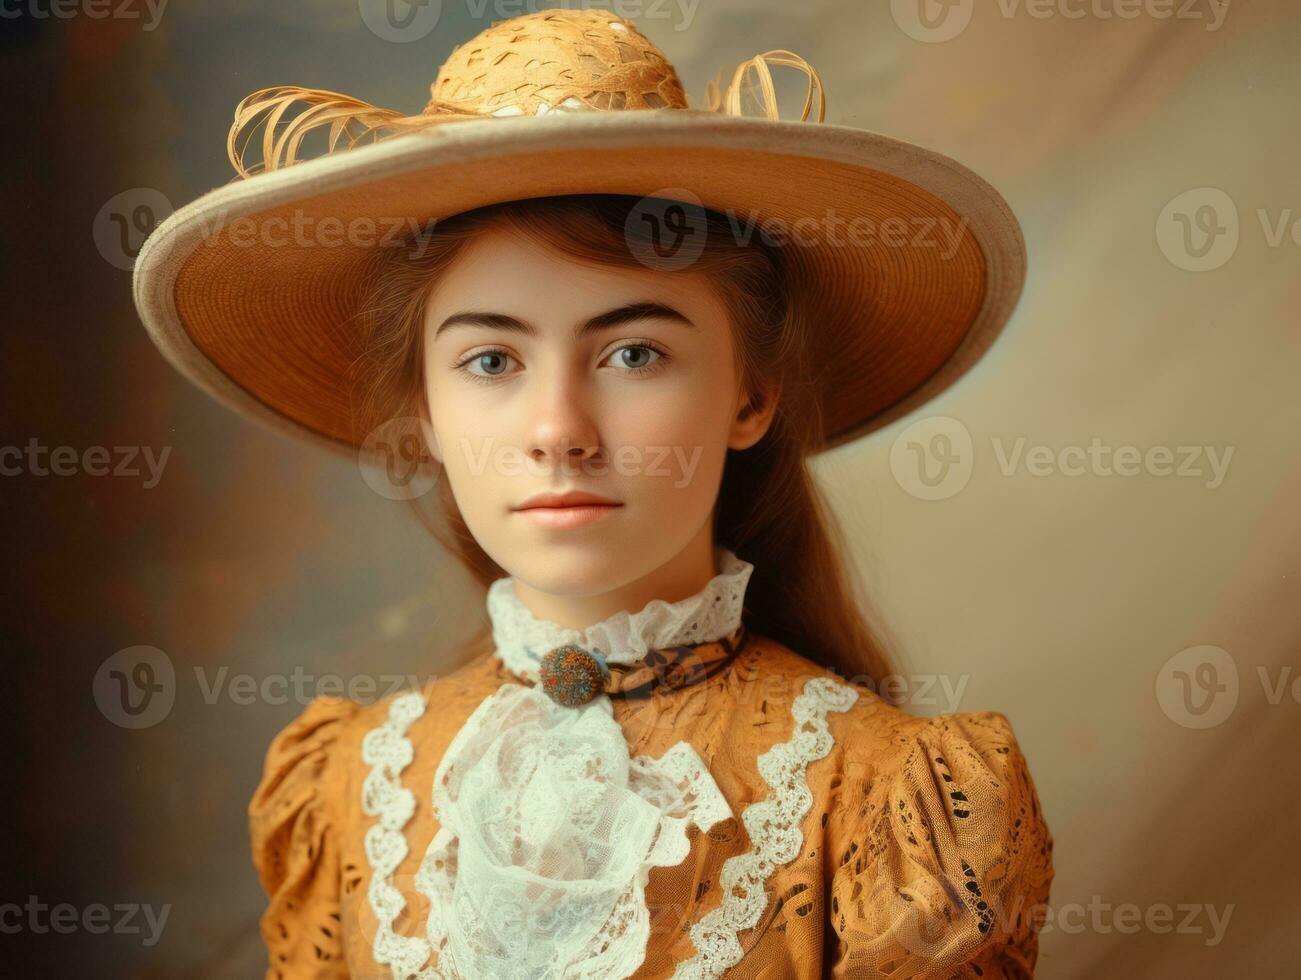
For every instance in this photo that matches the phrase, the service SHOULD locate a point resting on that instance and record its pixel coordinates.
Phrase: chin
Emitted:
(576, 568)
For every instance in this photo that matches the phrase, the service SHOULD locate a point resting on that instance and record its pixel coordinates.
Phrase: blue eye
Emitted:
(643, 352)
(492, 364)
(644, 358)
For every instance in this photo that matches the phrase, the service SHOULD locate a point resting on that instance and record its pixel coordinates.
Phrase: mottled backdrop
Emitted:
(1134, 612)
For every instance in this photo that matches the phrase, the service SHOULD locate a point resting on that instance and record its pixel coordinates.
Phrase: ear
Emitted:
(427, 428)
(753, 416)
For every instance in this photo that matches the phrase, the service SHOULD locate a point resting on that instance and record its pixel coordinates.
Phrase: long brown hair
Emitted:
(769, 510)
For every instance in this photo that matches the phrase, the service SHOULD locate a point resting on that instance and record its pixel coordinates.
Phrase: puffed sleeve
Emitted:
(944, 871)
(292, 827)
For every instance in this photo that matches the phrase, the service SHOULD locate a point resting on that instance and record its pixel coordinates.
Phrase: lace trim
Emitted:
(774, 828)
(388, 751)
(678, 784)
(521, 639)
(572, 908)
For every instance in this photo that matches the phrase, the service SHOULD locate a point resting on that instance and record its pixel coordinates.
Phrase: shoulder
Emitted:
(940, 852)
(865, 726)
(303, 771)
(871, 729)
(954, 792)
(297, 820)
(300, 753)
(942, 856)
(945, 865)
(316, 758)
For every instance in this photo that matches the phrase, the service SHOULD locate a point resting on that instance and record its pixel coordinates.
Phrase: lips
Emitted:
(563, 511)
(573, 498)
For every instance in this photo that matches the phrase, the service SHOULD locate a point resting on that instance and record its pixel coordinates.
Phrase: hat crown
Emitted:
(557, 60)
(273, 330)
(531, 65)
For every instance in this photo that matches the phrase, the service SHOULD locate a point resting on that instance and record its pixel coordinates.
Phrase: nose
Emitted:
(562, 430)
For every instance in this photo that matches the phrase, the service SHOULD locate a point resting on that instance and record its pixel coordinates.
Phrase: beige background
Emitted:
(1059, 600)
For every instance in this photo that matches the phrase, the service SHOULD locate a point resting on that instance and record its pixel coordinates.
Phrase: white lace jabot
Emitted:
(548, 828)
(522, 639)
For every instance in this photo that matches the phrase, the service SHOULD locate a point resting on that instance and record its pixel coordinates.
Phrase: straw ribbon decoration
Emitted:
(569, 66)
(729, 101)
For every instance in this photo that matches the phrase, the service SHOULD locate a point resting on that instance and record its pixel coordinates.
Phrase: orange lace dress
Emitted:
(722, 807)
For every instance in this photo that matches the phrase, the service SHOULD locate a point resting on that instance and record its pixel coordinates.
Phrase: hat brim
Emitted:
(924, 270)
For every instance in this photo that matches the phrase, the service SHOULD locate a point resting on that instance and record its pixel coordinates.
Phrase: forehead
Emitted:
(508, 272)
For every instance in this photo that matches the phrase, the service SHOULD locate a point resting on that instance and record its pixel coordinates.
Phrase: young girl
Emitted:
(669, 759)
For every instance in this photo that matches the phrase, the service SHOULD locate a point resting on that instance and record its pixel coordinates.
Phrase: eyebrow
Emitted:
(603, 321)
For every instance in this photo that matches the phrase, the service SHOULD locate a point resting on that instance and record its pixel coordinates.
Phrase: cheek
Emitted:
(477, 486)
(673, 444)
(692, 411)
(460, 427)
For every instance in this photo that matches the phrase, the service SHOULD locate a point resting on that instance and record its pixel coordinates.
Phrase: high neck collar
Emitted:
(522, 639)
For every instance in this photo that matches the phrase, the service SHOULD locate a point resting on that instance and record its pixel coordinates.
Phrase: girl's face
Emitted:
(546, 376)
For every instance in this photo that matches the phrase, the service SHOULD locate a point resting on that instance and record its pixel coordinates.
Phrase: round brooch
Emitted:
(571, 676)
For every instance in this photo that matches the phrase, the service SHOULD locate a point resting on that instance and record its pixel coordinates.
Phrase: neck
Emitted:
(684, 575)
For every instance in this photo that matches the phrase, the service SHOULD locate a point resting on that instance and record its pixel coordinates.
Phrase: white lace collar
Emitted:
(548, 828)
(522, 639)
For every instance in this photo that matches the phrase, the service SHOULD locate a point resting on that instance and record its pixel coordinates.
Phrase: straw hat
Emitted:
(908, 263)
